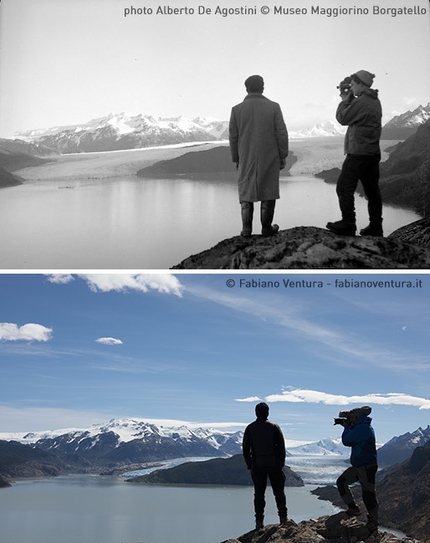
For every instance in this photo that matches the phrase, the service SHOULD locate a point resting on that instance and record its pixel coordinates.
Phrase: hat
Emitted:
(254, 83)
(365, 410)
(365, 77)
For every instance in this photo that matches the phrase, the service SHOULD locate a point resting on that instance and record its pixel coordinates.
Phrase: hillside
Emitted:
(218, 471)
(19, 461)
(216, 160)
(400, 448)
(404, 495)
(405, 175)
(15, 155)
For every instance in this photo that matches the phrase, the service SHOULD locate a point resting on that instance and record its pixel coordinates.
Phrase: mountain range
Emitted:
(127, 441)
(404, 125)
(119, 131)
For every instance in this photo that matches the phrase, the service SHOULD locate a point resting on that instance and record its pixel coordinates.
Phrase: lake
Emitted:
(97, 509)
(104, 509)
(135, 223)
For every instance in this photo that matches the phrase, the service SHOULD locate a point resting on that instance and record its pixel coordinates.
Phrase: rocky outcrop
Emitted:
(310, 248)
(417, 233)
(336, 529)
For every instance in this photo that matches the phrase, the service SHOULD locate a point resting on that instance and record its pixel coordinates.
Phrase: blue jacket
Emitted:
(361, 439)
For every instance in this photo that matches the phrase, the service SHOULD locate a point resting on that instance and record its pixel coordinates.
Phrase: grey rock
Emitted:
(311, 248)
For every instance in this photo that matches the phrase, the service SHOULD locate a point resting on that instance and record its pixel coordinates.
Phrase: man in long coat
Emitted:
(259, 146)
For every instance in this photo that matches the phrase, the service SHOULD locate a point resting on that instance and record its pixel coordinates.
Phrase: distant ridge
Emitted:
(119, 131)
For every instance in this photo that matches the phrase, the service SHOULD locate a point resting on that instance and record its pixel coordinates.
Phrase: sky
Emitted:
(69, 61)
(203, 349)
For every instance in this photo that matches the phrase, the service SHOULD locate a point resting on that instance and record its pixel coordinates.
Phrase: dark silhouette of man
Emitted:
(360, 110)
(360, 436)
(264, 452)
(259, 146)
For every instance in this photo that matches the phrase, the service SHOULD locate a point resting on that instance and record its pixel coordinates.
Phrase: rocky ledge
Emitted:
(338, 528)
(309, 247)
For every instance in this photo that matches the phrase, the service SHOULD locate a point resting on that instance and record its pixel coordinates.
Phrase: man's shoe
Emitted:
(342, 228)
(283, 520)
(372, 527)
(372, 230)
(270, 231)
(353, 511)
(259, 524)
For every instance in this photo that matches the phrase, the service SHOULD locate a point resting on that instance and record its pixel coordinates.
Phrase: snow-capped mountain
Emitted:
(118, 131)
(404, 125)
(327, 128)
(400, 448)
(324, 447)
(123, 441)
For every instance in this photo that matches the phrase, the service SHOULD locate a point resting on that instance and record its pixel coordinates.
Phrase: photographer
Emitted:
(360, 110)
(360, 436)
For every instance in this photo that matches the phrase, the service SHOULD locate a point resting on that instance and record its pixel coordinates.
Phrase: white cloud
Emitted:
(60, 279)
(27, 332)
(109, 341)
(163, 283)
(250, 399)
(293, 395)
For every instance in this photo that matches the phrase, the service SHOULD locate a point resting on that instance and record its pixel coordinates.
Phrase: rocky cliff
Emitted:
(335, 529)
(315, 248)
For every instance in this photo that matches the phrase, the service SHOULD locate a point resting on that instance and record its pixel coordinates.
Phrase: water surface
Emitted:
(135, 223)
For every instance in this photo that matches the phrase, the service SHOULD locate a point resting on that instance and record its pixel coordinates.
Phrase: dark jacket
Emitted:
(258, 141)
(363, 117)
(263, 445)
(361, 439)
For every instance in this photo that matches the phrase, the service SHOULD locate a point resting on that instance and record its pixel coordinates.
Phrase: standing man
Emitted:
(259, 146)
(264, 452)
(359, 435)
(360, 110)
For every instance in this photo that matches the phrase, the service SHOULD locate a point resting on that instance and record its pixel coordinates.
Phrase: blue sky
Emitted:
(80, 350)
(67, 62)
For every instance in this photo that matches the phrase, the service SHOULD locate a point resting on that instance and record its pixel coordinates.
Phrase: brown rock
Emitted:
(339, 528)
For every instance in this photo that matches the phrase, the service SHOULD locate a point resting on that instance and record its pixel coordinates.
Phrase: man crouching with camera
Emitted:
(360, 436)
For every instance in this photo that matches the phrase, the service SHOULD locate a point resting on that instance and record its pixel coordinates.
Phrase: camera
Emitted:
(345, 86)
(344, 417)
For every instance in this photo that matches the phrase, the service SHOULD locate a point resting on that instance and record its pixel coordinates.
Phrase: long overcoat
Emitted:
(258, 141)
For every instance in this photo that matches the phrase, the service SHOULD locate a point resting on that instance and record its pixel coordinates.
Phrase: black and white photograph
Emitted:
(130, 139)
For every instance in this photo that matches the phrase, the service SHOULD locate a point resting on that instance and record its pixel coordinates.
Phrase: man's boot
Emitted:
(373, 229)
(247, 210)
(267, 213)
(342, 228)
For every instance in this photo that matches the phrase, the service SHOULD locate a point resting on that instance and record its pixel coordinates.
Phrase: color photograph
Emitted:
(129, 402)
(125, 135)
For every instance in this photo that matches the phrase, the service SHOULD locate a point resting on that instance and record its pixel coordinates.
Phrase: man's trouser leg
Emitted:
(247, 211)
(365, 475)
(267, 213)
(346, 187)
(260, 484)
(370, 181)
(367, 481)
(277, 482)
(347, 478)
